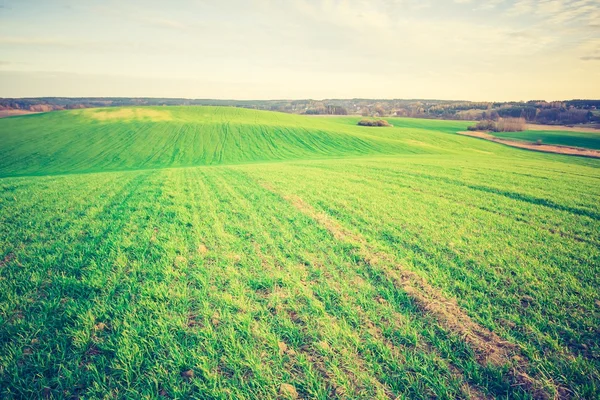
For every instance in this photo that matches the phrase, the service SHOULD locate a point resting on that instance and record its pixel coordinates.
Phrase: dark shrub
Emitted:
(502, 125)
(368, 122)
(485, 125)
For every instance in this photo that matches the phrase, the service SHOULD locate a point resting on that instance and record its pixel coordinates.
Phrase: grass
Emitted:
(589, 140)
(320, 271)
(95, 140)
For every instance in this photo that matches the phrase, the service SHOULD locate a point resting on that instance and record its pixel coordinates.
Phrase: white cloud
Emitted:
(521, 7)
(320, 45)
(359, 15)
(489, 4)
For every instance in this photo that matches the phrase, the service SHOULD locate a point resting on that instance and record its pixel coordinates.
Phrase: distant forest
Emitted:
(569, 112)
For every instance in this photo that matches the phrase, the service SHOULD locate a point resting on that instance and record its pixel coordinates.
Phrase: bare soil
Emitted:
(12, 113)
(487, 345)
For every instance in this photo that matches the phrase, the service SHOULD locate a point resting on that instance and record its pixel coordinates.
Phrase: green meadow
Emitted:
(588, 140)
(225, 253)
(99, 140)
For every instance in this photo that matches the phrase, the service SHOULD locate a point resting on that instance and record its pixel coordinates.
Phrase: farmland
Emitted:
(212, 252)
(96, 140)
(589, 140)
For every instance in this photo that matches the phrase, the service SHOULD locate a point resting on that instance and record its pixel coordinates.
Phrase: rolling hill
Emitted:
(140, 138)
(206, 252)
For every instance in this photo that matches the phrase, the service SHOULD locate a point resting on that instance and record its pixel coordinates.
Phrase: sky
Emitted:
(294, 49)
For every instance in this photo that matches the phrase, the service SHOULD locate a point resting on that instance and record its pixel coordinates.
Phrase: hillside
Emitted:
(292, 257)
(138, 138)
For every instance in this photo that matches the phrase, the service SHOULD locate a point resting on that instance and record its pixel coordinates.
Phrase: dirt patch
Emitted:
(188, 374)
(7, 258)
(288, 391)
(338, 231)
(489, 348)
(129, 114)
(469, 391)
(545, 148)
(12, 113)
(194, 321)
(202, 249)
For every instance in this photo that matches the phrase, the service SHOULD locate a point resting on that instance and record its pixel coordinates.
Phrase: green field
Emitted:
(222, 253)
(589, 140)
(96, 140)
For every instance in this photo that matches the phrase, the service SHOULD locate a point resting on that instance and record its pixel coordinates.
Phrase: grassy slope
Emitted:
(118, 282)
(588, 140)
(90, 140)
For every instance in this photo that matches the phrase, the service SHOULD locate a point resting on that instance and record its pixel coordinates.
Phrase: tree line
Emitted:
(567, 112)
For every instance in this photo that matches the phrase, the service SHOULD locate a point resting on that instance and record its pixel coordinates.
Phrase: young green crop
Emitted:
(95, 140)
(589, 140)
(227, 281)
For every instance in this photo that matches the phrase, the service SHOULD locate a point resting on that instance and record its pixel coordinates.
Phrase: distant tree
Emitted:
(379, 112)
(510, 125)
(502, 125)
(336, 110)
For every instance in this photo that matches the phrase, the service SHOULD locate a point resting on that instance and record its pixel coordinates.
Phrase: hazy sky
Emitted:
(260, 49)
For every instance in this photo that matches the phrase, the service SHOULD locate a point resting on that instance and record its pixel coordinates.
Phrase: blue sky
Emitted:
(261, 49)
